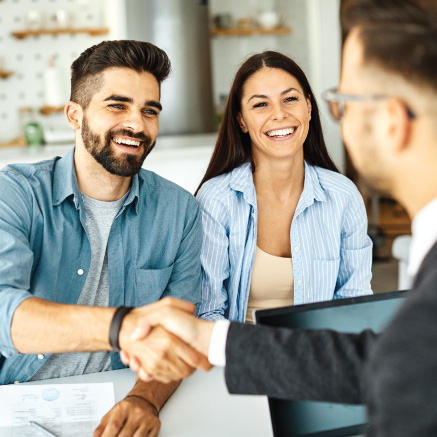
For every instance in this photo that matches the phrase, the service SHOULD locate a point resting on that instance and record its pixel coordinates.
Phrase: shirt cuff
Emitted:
(217, 345)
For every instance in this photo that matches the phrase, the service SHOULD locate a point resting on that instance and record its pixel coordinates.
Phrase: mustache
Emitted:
(127, 133)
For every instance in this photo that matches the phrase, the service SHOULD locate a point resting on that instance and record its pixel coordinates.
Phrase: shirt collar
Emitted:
(424, 230)
(65, 183)
(242, 180)
(312, 189)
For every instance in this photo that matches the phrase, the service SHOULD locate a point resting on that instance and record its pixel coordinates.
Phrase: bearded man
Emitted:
(92, 231)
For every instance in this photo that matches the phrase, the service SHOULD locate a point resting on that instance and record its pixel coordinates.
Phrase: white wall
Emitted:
(314, 43)
(29, 57)
(324, 54)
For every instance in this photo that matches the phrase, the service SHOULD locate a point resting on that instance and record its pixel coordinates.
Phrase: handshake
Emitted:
(163, 341)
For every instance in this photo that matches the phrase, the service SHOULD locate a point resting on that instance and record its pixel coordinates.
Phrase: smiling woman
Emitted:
(281, 225)
(275, 113)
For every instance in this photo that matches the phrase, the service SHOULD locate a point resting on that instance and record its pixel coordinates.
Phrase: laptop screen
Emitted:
(352, 315)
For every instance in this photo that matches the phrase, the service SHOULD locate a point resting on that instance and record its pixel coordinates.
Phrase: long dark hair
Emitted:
(233, 147)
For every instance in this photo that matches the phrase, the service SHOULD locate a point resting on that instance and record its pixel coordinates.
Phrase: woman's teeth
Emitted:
(281, 132)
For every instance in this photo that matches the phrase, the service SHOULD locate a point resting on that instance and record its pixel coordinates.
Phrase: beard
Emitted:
(125, 165)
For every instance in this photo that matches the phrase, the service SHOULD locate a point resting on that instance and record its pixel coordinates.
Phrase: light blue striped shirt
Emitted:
(331, 251)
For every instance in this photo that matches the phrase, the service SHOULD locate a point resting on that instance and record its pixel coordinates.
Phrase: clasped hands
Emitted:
(163, 341)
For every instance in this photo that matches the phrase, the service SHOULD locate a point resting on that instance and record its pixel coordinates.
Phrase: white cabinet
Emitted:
(182, 159)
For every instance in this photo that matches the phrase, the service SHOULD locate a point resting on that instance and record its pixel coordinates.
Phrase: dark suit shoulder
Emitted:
(401, 376)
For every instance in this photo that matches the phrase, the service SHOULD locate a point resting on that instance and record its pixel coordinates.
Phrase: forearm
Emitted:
(155, 393)
(310, 365)
(41, 326)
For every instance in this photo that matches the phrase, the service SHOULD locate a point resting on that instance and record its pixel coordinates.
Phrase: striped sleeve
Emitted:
(214, 255)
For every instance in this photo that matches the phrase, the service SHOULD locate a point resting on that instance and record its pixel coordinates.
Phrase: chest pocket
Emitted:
(150, 284)
(325, 273)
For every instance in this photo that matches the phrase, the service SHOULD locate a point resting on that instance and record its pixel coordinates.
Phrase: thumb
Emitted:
(141, 331)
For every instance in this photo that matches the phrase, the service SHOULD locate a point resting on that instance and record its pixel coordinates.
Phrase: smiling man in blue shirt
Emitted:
(83, 234)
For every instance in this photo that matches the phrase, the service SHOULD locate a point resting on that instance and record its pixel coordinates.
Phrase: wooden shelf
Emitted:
(17, 142)
(47, 110)
(251, 31)
(5, 74)
(93, 31)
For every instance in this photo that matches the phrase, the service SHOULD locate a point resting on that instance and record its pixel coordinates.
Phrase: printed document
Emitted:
(66, 410)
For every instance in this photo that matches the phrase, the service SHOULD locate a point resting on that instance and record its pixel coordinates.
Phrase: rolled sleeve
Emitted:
(16, 256)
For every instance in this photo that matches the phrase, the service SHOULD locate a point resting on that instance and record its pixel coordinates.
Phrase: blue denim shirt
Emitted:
(153, 247)
(331, 251)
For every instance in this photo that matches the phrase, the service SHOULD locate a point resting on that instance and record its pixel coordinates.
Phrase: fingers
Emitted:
(193, 331)
(156, 311)
(173, 320)
(141, 332)
(165, 358)
(142, 320)
(127, 418)
(143, 375)
(165, 354)
(170, 358)
(124, 357)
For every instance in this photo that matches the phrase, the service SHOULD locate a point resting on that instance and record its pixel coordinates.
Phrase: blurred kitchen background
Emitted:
(206, 42)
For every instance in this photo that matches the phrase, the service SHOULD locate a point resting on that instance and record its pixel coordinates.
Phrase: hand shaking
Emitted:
(164, 341)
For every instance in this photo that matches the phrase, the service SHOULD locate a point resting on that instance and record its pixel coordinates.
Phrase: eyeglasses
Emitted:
(336, 102)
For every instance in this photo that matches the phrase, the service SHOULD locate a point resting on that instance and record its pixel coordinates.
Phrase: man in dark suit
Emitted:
(387, 105)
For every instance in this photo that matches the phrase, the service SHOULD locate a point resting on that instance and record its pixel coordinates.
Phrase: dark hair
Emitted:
(233, 147)
(86, 77)
(398, 35)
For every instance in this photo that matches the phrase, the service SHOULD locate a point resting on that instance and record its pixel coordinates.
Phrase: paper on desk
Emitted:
(65, 409)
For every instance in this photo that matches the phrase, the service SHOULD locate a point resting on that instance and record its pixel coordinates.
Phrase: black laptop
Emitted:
(324, 419)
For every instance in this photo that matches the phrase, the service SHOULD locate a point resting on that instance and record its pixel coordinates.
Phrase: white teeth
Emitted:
(281, 132)
(127, 142)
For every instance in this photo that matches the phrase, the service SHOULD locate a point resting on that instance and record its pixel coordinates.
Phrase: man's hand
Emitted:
(166, 358)
(195, 332)
(133, 416)
(161, 355)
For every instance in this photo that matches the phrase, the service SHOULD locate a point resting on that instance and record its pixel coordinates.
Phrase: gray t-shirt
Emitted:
(100, 216)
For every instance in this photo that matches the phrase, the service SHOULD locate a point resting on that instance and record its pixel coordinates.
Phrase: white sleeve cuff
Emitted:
(217, 345)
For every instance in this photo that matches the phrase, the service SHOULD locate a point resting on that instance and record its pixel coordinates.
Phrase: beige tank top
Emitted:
(272, 283)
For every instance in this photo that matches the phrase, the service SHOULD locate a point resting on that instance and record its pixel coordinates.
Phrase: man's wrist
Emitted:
(115, 327)
(146, 403)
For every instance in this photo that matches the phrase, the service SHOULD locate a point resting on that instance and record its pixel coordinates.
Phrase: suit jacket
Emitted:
(394, 374)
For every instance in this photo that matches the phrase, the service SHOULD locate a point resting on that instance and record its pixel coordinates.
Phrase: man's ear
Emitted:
(74, 114)
(242, 123)
(399, 123)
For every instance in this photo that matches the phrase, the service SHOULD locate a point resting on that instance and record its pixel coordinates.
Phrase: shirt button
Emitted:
(299, 282)
(80, 272)
(40, 356)
(16, 382)
(296, 249)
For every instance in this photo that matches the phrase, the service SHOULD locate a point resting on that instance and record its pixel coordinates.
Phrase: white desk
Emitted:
(200, 407)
